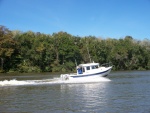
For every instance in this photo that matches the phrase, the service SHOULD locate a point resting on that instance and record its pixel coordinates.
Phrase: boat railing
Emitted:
(106, 64)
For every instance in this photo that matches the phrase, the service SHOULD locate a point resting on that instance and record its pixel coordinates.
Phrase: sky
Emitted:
(100, 18)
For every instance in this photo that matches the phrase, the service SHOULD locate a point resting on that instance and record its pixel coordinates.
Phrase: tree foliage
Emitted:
(60, 52)
(8, 50)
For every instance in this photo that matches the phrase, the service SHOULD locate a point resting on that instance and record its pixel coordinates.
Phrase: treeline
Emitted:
(59, 52)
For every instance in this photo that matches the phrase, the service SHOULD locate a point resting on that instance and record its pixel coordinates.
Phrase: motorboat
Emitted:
(89, 70)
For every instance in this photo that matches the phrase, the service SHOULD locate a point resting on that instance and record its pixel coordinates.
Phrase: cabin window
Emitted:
(88, 68)
(93, 67)
(96, 66)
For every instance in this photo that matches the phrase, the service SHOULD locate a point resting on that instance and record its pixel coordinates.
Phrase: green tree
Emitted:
(66, 51)
(8, 49)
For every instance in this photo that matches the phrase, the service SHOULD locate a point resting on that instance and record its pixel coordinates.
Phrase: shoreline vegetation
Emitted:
(29, 51)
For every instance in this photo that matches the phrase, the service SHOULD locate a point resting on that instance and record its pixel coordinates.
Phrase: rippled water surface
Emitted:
(121, 92)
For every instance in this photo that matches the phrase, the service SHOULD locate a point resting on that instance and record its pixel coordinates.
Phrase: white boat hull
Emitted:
(101, 72)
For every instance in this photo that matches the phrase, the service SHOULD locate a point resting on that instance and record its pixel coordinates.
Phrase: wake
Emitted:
(53, 81)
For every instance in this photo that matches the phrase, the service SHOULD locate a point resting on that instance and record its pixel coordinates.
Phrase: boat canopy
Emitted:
(89, 64)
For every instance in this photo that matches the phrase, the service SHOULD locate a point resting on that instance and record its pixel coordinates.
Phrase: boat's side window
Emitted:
(88, 68)
(93, 67)
(96, 66)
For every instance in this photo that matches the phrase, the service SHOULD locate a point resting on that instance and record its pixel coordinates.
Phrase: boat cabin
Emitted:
(85, 68)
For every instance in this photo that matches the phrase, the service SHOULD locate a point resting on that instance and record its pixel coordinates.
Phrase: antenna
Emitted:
(76, 62)
(88, 53)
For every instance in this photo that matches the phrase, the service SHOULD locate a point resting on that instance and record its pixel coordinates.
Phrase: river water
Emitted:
(120, 92)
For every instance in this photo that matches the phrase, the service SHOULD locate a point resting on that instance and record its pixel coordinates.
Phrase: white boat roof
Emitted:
(88, 64)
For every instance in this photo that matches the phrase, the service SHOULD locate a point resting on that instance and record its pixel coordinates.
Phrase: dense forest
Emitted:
(59, 52)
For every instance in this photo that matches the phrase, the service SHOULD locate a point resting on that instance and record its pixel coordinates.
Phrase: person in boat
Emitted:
(79, 70)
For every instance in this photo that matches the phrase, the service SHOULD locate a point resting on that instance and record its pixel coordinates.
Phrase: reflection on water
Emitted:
(90, 96)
